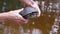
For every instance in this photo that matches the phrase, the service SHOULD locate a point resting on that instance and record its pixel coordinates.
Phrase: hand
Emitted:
(34, 5)
(16, 17)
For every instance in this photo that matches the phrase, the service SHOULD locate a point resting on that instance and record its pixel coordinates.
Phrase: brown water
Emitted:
(41, 25)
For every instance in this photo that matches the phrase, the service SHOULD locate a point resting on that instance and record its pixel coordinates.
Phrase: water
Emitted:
(47, 23)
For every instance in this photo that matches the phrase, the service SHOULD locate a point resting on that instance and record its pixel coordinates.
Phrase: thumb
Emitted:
(17, 11)
(39, 12)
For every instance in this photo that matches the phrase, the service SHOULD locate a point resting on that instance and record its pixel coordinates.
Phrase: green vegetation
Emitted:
(11, 4)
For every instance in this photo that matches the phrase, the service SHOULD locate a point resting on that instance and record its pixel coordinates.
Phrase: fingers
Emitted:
(18, 20)
(16, 17)
(39, 12)
(37, 7)
(19, 10)
(22, 19)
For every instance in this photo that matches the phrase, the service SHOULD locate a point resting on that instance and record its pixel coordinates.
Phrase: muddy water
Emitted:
(41, 25)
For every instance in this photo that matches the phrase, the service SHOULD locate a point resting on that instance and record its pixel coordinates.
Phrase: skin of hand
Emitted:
(14, 16)
(36, 7)
(32, 3)
(17, 17)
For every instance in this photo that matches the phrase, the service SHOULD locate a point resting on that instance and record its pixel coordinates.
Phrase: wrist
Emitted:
(3, 16)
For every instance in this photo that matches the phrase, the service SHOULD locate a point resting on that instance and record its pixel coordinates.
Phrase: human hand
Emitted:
(16, 17)
(35, 5)
(32, 3)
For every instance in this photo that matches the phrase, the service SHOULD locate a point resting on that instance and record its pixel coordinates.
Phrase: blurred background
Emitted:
(47, 23)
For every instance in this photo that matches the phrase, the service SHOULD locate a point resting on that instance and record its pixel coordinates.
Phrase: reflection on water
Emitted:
(49, 8)
(43, 6)
(29, 31)
(36, 31)
(20, 30)
(55, 26)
